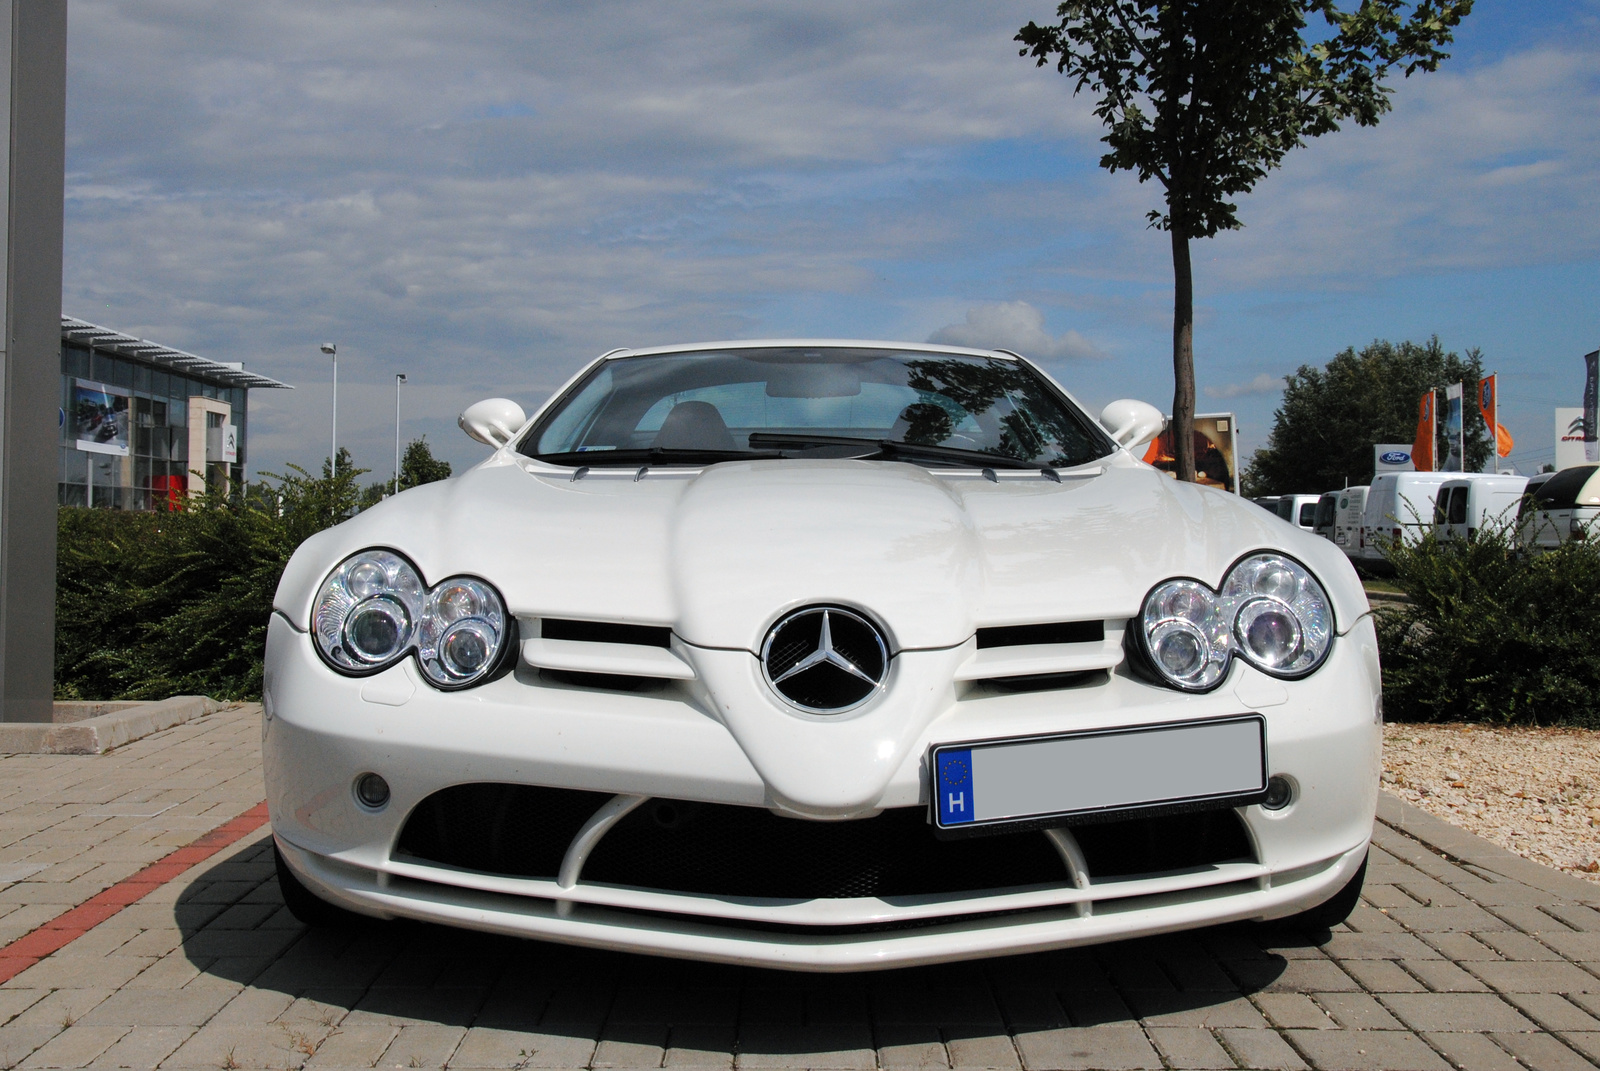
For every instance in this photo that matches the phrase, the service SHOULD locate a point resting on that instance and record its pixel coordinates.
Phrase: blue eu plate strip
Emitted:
(954, 785)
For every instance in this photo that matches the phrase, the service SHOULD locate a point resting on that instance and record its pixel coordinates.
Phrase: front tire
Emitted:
(306, 905)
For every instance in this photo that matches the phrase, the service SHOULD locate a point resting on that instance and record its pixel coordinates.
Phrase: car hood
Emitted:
(719, 554)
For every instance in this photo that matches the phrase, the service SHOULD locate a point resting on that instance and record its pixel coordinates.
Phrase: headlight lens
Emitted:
(1271, 611)
(373, 610)
(1186, 634)
(463, 632)
(366, 611)
(1282, 621)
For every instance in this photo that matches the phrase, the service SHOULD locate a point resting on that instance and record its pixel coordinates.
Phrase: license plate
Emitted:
(1099, 772)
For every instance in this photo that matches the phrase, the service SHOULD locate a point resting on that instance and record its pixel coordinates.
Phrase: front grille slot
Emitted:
(558, 628)
(517, 830)
(719, 850)
(1048, 632)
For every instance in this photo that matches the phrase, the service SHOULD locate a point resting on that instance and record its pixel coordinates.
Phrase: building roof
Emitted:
(230, 374)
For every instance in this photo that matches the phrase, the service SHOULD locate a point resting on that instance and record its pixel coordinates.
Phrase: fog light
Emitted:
(373, 791)
(1279, 794)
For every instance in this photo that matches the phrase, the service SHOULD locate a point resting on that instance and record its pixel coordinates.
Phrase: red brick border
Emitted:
(73, 923)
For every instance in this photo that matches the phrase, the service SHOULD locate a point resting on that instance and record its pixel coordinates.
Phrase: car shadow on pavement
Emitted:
(352, 996)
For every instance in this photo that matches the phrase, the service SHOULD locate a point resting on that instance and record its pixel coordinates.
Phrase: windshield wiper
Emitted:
(891, 448)
(655, 455)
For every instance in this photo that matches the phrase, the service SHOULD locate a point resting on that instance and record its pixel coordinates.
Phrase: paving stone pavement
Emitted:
(1447, 963)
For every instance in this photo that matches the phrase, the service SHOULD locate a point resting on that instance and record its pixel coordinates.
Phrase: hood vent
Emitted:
(558, 628)
(1055, 654)
(601, 651)
(1049, 632)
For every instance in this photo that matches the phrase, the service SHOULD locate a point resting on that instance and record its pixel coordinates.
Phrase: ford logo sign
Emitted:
(1394, 457)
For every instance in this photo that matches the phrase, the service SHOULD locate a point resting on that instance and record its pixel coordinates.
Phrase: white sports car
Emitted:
(820, 655)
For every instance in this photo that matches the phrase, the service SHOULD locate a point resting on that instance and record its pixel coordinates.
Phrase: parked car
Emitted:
(819, 655)
(1466, 505)
(1565, 506)
(1299, 510)
(1268, 503)
(1399, 506)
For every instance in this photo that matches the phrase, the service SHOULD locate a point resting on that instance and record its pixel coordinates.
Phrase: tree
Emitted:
(419, 466)
(1330, 418)
(1207, 96)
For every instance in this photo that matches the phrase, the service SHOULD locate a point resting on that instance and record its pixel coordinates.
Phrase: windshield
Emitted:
(713, 405)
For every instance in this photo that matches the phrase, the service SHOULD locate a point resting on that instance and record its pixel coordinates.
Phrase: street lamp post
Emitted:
(399, 378)
(332, 350)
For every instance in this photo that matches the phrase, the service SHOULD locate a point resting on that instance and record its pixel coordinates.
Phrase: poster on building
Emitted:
(100, 417)
(1453, 446)
(1392, 457)
(1216, 446)
(1569, 437)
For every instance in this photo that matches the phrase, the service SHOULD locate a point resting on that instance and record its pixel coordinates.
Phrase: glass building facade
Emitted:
(150, 390)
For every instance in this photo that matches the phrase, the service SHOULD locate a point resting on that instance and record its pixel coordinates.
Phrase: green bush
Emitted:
(1493, 634)
(150, 605)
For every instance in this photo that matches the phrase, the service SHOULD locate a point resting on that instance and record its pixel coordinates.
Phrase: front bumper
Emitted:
(321, 731)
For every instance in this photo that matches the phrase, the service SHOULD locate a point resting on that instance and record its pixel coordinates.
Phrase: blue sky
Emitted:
(484, 194)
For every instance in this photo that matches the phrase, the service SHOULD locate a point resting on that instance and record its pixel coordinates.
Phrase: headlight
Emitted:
(373, 610)
(462, 634)
(1271, 612)
(367, 611)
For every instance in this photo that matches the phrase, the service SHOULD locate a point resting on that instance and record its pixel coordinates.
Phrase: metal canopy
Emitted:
(229, 374)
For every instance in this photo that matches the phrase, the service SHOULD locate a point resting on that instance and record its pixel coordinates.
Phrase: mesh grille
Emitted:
(749, 851)
(518, 830)
(717, 850)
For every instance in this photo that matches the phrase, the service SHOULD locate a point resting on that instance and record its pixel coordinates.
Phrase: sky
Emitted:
(486, 194)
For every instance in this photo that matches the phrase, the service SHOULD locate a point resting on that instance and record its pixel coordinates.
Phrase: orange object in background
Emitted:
(1211, 462)
(1489, 406)
(1422, 449)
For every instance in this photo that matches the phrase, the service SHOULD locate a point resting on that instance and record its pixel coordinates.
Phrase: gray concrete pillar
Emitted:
(32, 165)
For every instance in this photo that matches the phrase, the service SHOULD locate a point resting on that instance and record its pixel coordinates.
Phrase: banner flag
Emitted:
(1591, 402)
(1454, 453)
(1422, 449)
(1489, 406)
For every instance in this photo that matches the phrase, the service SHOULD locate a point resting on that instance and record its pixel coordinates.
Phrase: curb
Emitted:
(97, 735)
(1457, 844)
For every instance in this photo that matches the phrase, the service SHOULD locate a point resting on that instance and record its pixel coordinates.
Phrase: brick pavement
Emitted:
(1446, 964)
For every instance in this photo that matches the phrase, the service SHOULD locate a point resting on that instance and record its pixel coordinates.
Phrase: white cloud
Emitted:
(1262, 384)
(1016, 326)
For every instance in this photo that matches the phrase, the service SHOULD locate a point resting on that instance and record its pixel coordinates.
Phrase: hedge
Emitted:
(1493, 633)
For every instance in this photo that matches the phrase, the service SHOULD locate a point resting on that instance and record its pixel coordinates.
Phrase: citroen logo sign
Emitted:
(825, 659)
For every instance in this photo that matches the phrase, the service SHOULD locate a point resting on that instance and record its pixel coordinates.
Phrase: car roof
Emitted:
(820, 343)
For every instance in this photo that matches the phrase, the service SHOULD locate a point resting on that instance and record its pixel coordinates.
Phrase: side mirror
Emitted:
(1132, 423)
(492, 421)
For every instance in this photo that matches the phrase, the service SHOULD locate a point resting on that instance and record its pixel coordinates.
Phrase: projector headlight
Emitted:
(366, 613)
(373, 610)
(1271, 611)
(463, 632)
(1282, 621)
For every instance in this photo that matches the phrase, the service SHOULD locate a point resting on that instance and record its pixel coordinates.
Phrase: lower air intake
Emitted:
(718, 850)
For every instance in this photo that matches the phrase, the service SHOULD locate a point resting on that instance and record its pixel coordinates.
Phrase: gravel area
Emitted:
(1534, 791)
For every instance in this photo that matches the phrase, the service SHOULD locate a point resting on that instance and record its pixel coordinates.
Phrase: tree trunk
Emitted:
(1182, 427)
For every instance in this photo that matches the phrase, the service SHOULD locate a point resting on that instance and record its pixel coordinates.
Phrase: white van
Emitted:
(1300, 510)
(1473, 500)
(1347, 510)
(1399, 506)
(1566, 506)
(1327, 507)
